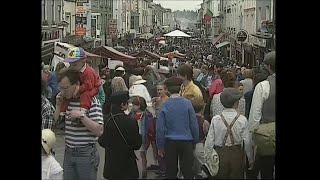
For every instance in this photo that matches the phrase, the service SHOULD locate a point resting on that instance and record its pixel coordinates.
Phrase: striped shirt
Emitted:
(77, 135)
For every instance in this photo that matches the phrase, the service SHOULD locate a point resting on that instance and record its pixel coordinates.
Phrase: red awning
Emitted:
(148, 53)
(109, 52)
(215, 40)
(91, 55)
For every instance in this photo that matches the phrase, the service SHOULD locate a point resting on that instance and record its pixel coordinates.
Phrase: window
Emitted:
(93, 26)
(44, 10)
(59, 13)
(69, 21)
(132, 22)
(267, 13)
(52, 11)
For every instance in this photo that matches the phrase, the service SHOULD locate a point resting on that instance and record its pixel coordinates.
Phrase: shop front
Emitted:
(249, 59)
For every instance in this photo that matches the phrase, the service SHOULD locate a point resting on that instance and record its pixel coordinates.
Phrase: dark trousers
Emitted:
(264, 165)
(231, 162)
(182, 150)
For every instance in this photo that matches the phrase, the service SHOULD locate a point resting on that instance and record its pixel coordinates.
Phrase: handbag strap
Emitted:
(124, 139)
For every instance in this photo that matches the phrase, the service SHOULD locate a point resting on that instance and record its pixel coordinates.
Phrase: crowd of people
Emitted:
(200, 118)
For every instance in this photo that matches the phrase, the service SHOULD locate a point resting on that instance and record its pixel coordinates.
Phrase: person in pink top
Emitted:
(217, 85)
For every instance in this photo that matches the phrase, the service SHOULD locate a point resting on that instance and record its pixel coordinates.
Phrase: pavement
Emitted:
(59, 154)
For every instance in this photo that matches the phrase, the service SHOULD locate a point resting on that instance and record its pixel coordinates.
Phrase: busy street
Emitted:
(168, 91)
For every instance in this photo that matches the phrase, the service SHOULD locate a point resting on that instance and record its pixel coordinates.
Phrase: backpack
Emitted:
(265, 139)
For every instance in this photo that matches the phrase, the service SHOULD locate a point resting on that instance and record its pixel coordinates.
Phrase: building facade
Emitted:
(253, 16)
(69, 9)
(52, 20)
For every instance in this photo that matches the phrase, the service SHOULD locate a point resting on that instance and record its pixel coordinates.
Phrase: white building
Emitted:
(144, 16)
(120, 16)
(149, 16)
(168, 19)
(216, 23)
(233, 16)
(69, 8)
(52, 17)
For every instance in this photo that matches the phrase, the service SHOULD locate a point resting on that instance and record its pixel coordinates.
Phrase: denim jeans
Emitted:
(81, 163)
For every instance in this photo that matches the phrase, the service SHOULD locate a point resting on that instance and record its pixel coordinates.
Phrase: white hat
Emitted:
(139, 80)
(48, 140)
(164, 70)
(120, 69)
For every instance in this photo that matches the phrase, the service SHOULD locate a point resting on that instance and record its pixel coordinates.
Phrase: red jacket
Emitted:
(89, 80)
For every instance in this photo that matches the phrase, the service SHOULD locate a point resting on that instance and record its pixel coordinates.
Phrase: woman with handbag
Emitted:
(120, 138)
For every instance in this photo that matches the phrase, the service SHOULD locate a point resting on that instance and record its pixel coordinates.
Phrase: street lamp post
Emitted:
(242, 35)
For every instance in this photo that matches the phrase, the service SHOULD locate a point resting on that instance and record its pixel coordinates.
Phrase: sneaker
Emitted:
(160, 172)
(152, 168)
(144, 174)
(161, 176)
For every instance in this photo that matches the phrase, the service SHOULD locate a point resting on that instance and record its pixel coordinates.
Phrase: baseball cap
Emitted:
(75, 54)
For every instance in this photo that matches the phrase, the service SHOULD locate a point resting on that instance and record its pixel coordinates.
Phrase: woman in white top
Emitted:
(247, 82)
(228, 79)
(51, 169)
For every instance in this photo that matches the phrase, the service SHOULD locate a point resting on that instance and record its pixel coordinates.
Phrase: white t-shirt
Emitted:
(51, 169)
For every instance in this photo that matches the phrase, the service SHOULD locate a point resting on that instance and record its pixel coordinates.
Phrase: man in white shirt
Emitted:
(226, 135)
(263, 111)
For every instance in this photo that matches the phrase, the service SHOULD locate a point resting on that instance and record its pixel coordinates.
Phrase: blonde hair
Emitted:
(118, 84)
(248, 73)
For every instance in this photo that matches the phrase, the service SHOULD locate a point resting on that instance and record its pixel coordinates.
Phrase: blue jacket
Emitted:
(177, 121)
(53, 83)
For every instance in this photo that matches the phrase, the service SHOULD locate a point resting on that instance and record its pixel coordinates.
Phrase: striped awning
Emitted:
(215, 40)
(222, 44)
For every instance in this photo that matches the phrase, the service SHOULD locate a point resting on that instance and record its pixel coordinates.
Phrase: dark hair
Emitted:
(259, 77)
(198, 107)
(60, 66)
(140, 101)
(186, 70)
(228, 78)
(219, 65)
(73, 75)
(173, 84)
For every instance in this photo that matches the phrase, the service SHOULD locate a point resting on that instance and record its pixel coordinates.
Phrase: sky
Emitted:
(180, 4)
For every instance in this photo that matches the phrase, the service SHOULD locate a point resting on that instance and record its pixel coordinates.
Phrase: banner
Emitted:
(113, 63)
(62, 49)
(82, 7)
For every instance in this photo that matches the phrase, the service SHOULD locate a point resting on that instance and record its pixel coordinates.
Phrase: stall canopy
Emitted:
(109, 52)
(177, 33)
(175, 55)
(215, 40)
(222, 44)
(144, 53)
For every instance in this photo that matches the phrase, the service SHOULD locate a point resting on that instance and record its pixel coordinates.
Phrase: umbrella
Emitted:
(177, 33)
